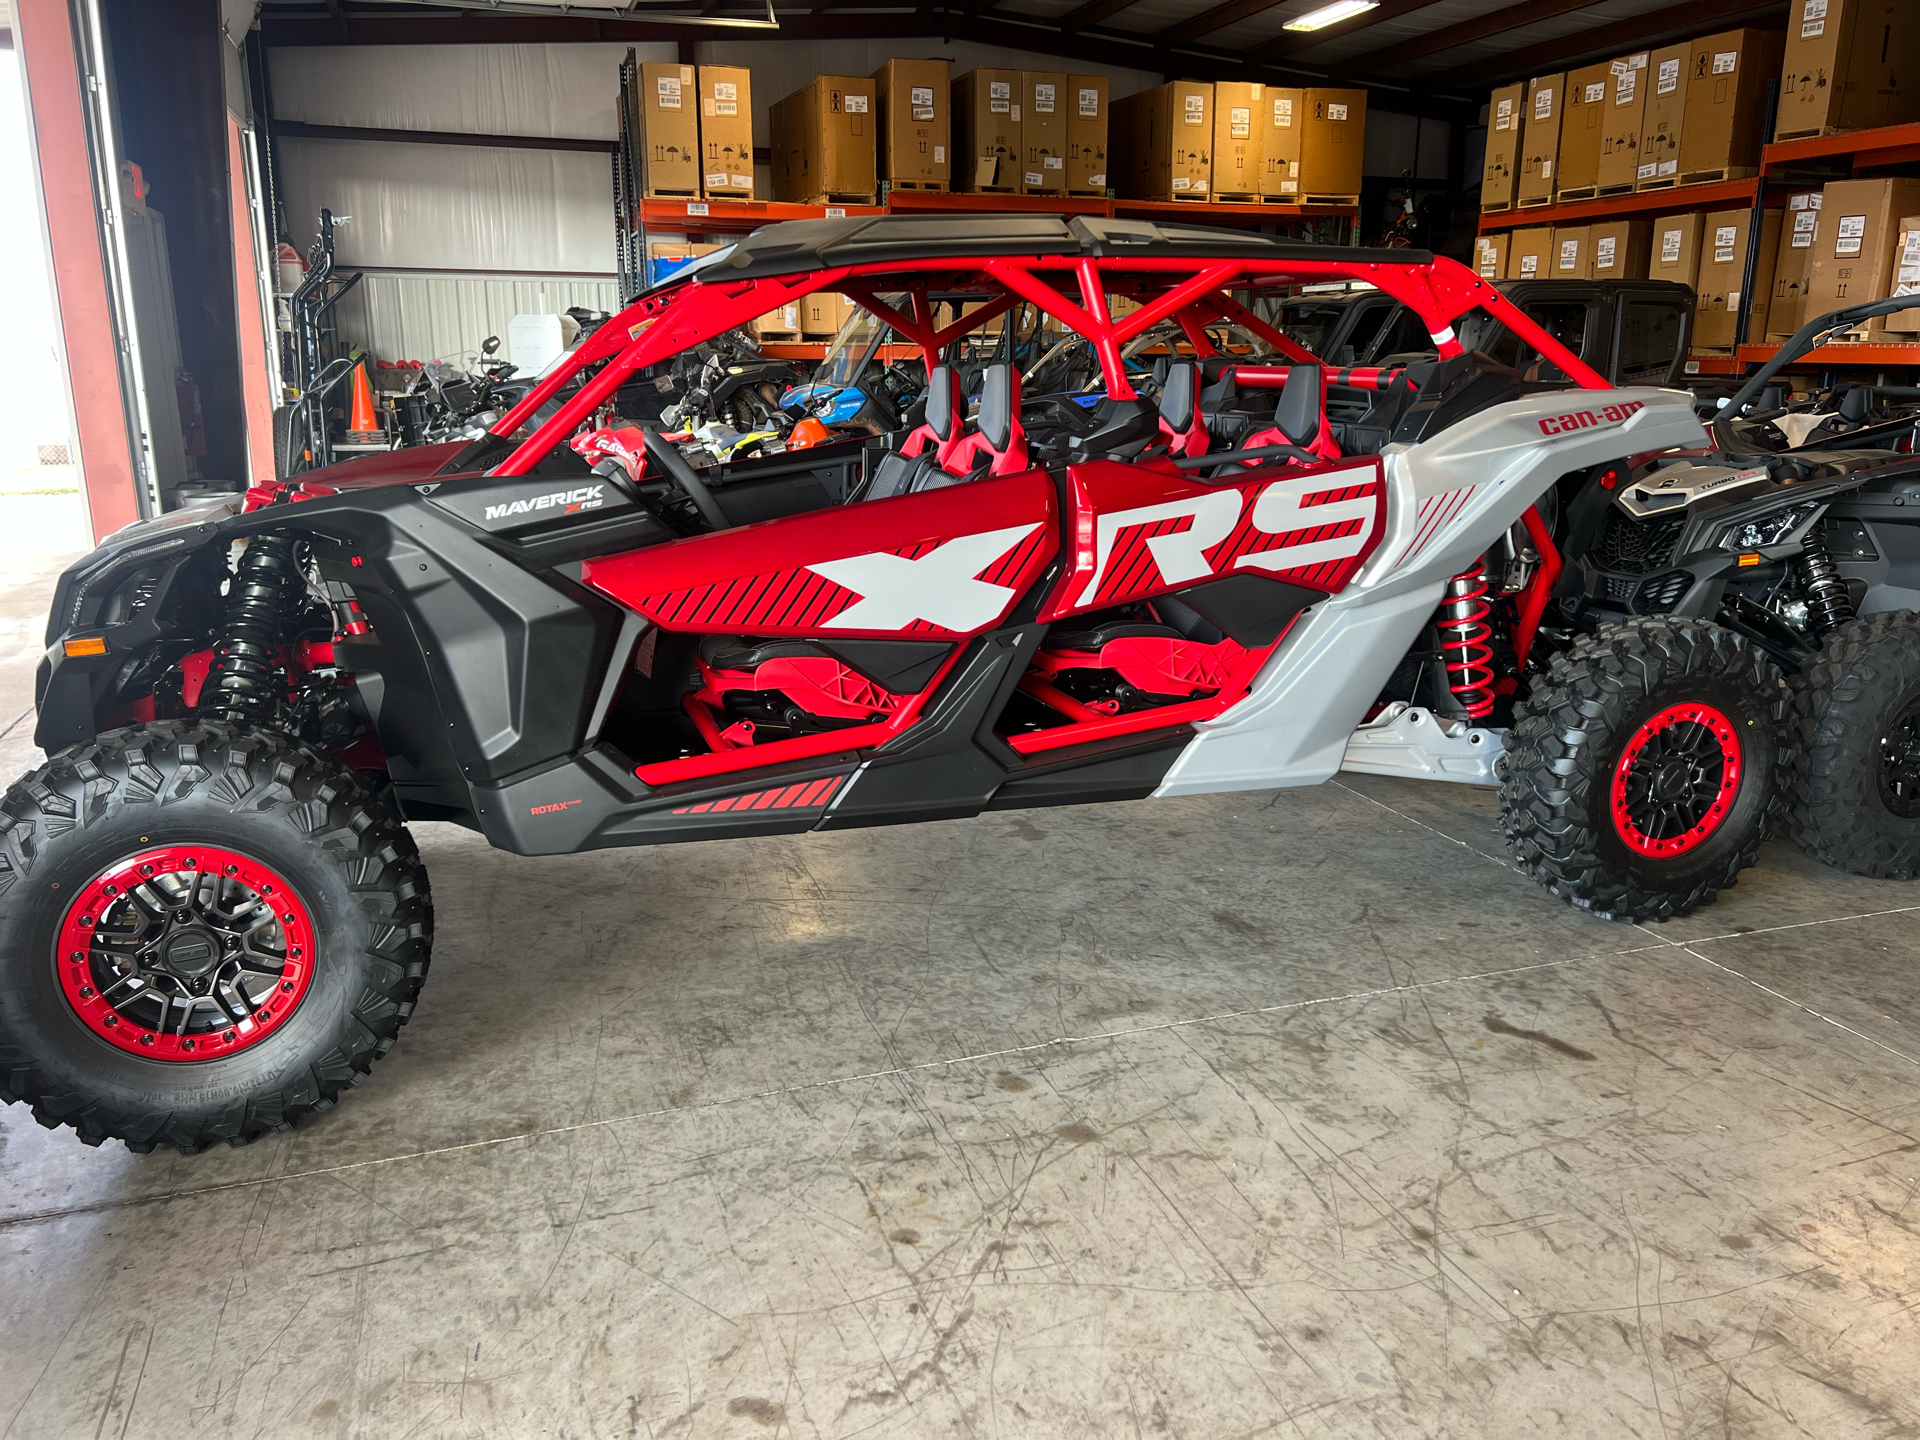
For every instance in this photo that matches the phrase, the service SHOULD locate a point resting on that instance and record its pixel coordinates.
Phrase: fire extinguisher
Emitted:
(193, 429)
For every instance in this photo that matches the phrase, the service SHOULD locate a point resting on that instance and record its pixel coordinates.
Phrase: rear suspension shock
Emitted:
(244, 686)
(1466, 641)
(1829, 606)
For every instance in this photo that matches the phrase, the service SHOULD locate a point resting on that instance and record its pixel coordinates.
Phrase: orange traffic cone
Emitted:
(363, 428)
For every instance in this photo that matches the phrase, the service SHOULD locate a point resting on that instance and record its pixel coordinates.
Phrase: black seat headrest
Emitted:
(1297, 413)
(1178, 394)
(941, 411)
(997, 402)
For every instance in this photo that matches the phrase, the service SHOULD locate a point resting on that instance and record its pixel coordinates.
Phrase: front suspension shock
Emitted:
(1466, 641)
(1829, 606)
(244, 686)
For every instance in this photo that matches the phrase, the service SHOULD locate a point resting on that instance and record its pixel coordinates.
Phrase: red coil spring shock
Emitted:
(1466, 641)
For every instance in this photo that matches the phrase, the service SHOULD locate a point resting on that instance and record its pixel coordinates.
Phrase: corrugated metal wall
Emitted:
(443, 317)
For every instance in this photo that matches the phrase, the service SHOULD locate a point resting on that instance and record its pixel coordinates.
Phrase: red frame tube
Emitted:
(663, 323)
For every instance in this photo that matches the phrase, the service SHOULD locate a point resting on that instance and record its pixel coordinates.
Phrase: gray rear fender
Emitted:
(1448, 500)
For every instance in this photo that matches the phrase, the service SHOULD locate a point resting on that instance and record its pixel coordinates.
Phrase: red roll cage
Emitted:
(1193, 293)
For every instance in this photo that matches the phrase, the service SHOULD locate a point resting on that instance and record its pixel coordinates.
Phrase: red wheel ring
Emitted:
(185, 953)
(1676, 780)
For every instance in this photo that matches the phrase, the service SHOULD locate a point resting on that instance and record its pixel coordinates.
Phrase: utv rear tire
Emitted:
(1857, 708)
(1587, 811)
(190, 798)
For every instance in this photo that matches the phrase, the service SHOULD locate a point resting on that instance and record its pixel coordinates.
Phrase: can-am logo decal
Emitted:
(586, 497)
(1589, 419)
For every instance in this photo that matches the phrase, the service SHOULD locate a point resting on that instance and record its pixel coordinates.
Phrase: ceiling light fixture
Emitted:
(1331, 14)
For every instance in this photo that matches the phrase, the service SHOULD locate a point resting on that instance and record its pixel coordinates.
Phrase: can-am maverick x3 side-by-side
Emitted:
(565, 636)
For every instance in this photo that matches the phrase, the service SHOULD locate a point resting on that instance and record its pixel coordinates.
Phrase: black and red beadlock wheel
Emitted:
(1676, 780)
(186, 952)
(206, 933)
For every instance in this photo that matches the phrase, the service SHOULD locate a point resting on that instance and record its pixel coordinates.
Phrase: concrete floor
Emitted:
(1297, 1113)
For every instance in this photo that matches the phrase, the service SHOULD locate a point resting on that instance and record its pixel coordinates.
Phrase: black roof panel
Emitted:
(801, 245)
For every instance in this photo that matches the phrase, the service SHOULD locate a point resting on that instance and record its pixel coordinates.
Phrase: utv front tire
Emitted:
(1641, 768)
(1856, 788)
(205, 933)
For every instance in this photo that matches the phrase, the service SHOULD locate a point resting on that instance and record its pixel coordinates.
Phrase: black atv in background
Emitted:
(1799, 529)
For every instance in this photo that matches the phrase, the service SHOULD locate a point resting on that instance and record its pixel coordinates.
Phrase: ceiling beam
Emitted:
(1467, 32)
(1218, 18)
(952, 22)
(301, 130)
(1643, 32)
(1091, 13)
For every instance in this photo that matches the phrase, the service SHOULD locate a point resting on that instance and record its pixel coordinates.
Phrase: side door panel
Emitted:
(941, 564)
(1141, 530)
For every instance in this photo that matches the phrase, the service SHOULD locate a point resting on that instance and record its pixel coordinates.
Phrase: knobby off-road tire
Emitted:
(1857, 712)
(1674, 703)
(246, 845)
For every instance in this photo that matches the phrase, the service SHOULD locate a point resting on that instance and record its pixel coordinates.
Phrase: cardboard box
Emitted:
(1853, 250)
(1569, 254)
(1675, 254)
(780, 324)
(1170, 142)
(666, 130)
(1666, 112)
(823, 313)
(726, 133)
(1727, 77)
(1540, 140)
(916, 123)
(1723, 263)
(1283, 110)
(1620, 249)
(986, 120)
(1043, 132)
(1087, 134)
(1333, 142)
(1238, 107)
(1906, 276)
(1500, 181)
(1787, 310)
(1576, 174)
(824, 145)
(1621, 125)
(1849, 65)
(1490, 257)
(1529, 253)
(1793, 261)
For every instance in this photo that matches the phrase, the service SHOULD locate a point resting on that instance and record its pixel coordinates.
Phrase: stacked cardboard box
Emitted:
(1283, 111)
(1906, 277)
(1727, 79)
(1540, 139)
(1621, 126)
(1849, 65)
(1577, 169)
(1237, 139)
(1043, 132)
(1500, 180)
(1853, 249)
(1666, 110)
(1490, 257)
(1529, 253)
(1169, 142)
(1569, 253)
(916, 123)
(1087, 135)
(1720, 296)
(726, 133)
(1793, 262)
(1620, 249)
(666, 130)
(824, 148)
(1333, 143)
(987, 126)
(1676, 249)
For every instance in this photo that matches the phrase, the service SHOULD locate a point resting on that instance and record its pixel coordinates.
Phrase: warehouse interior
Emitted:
(1291, 1109)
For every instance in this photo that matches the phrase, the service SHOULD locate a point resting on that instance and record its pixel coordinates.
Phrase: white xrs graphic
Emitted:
(939, 587)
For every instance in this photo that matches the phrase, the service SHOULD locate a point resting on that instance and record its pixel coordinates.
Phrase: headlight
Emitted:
(1772, 528)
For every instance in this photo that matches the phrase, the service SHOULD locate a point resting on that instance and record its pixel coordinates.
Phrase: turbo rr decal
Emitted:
(1310, 530)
